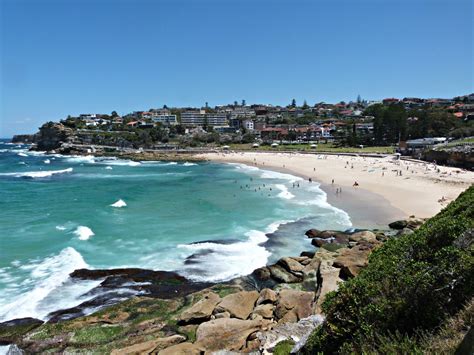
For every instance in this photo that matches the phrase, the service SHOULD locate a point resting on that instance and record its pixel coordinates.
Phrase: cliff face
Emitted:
(51, 135)
(461, 156)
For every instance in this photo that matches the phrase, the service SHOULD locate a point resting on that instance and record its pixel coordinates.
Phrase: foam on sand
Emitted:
(119, 203)
(48, 287)
(285, 193)
(38, 174)
(83, 232)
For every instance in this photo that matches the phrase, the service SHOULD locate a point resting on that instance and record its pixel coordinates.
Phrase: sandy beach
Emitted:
(388, 188)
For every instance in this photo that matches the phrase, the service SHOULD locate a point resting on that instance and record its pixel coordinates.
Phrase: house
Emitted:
(249, 125)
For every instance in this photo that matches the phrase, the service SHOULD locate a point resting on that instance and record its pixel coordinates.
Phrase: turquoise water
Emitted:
(56, 216)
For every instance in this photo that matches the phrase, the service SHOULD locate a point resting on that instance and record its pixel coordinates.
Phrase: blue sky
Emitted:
(78, 56)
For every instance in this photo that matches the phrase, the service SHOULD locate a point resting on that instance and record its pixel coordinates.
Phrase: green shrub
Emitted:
(411, 285)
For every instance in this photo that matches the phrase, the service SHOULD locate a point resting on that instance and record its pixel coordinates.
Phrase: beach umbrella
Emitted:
(255, 145)
(313, 146)
(274, 145)
(226, 147)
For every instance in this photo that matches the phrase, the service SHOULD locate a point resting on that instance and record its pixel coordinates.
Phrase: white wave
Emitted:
(285, 194)
(45, 287)
(108, 168)
(22, 154)
(38, 174)
(83, 232)
(189, 164)
(239, 166)
(119, 162)
(268, 174)
(87, 159)
(169, 163)
(47, 161)
(61, 228)
(220, 262)
(119, 203)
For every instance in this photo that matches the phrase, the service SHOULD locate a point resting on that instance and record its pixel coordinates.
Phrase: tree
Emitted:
(293, 103)
(359, 99)
(243, 102)
(236, 104)
(305, 105)
(207, 104)
(165, 107)
(114, 114)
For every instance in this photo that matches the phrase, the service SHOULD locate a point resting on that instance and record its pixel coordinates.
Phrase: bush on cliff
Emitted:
(410, 287)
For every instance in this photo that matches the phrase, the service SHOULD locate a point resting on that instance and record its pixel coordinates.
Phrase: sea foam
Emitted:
(38, 174)
(119, 203)
(83, 232)
(47, 277)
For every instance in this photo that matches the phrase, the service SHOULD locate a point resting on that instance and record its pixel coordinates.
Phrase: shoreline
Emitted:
(382, 196)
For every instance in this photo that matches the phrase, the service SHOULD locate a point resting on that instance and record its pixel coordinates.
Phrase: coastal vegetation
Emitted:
(409, 292)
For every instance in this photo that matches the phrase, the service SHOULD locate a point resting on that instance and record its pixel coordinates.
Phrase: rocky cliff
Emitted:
(52, 135)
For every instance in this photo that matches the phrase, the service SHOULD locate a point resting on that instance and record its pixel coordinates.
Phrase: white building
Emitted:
(165, 119)
(200, 118)
(249, 125)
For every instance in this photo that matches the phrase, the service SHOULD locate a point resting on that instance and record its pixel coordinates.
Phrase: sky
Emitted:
(61, 57)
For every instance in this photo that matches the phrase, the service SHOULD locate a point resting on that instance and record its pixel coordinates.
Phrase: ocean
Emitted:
(61, 213)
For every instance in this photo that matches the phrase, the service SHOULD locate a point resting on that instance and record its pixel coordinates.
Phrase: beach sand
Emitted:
(383, 195)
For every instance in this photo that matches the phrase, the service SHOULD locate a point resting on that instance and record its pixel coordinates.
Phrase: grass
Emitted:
(284, 347)
(322, 147)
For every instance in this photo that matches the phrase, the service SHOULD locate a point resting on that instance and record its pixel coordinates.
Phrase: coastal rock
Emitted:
(119, 284)
(291, 265)
(51, 135)
(267, 296)
(227, 333)
(364, 236)
(262, 274)
(298, 332)
(222, 315)
(281, 275)
(201, 310)
(149, 346)
(14, 329)
(405, 231)
(181, 349)
(264, 310)
(398, 224)
(352, 260)
(239, 304)
(309, 254)
(298, 302)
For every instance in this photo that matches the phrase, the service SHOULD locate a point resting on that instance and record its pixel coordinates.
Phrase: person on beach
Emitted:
(355, 184)
(309, 179)
(332, 182)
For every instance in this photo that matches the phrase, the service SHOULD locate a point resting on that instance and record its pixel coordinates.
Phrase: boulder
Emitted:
(226, 333)
(201, 310)
(262, 274)
(281, 275)
(352, 260)
(312, 233)
(150, 346)
(267, 296)
(264, 310)
(299, 302)
(239, 304)
(398, 224)
(365, 236)
(291, 265)
(222, 315)
(181, 349)
(309, 254)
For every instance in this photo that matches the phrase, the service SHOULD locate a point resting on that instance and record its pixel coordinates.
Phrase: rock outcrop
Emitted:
(51, 135)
